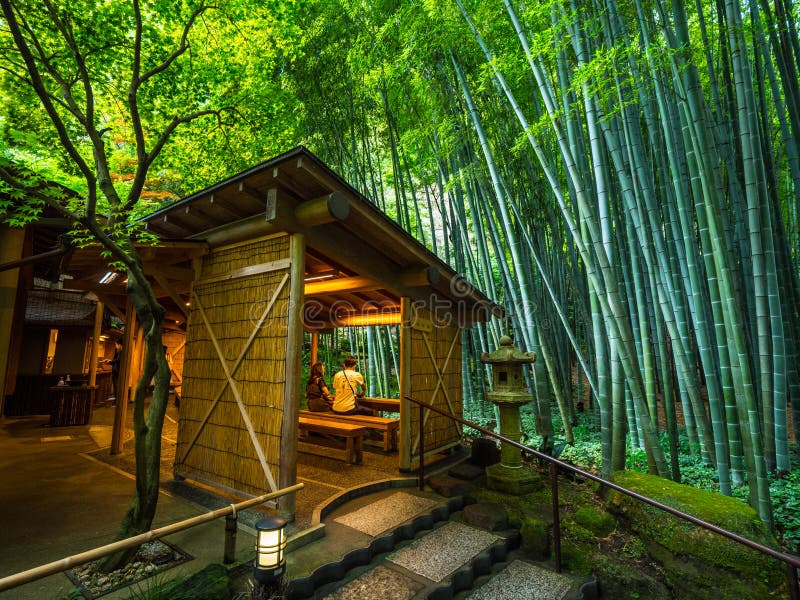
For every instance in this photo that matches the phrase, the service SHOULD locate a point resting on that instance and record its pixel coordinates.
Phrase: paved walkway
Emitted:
(58, 498)
(62, 494)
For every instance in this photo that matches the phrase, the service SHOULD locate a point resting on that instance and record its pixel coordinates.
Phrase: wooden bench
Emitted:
(388, 427)
(353, 434)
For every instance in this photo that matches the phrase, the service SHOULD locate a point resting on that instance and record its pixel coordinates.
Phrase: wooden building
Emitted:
(252, 262)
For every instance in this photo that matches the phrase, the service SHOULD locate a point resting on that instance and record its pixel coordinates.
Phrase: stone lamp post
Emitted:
(509, 393)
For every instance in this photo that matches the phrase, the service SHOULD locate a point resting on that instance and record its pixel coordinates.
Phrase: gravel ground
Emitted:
(523, 580)
(444, 550)
(387, 513)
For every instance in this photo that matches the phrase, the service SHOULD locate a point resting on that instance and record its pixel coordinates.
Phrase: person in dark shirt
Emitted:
(115, 365)
(317, 394)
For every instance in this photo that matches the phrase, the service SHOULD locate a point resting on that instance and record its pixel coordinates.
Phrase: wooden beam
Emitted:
(226, 206)
(341, 284)
(180, 302)
(420, 276)
(292, 387)
(326, 209)
(98, 326)
(274, 265)
(121, 400)
(170, 272)
(252, 192)
(404, 381)
(314, 347)
(11, 250)
(111, 304)
(365, 319)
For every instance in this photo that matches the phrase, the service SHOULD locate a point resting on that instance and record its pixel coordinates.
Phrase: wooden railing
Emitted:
(792, 562)
(229, 512)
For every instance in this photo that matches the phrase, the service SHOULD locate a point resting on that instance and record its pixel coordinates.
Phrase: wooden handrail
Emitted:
(792, 562)
(78, 559)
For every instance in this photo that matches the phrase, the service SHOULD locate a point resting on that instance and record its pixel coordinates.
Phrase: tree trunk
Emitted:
(146, 429)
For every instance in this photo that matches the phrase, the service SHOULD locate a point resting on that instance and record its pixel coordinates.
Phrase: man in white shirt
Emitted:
(349, 386)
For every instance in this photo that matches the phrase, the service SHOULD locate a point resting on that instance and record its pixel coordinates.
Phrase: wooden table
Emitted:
(71, 404)
(381, 404)
(352, 433)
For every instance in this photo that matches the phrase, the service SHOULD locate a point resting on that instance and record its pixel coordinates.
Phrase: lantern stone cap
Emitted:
(507, 353)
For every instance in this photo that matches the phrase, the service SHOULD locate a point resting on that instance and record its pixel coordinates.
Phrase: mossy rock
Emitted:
(599, 522)
(576, 556)
(535, 537)
(617, 580)
(577, 531)
(698, 563)
(536, 505)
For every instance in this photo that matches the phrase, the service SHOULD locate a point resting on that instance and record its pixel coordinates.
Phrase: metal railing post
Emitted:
(230, 537)
(556, 516)
(792, 562)
(421, 449)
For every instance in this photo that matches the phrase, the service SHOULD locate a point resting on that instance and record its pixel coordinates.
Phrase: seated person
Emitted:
(319, 399)
(349, 387)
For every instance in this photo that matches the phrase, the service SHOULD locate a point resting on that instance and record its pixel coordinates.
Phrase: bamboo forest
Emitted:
(622, 176)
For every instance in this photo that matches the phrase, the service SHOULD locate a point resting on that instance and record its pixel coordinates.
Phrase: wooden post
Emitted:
(11, 246)
(292, 387)
(117, 435)
(314, 347)
(229, 555)
(137, 366)
(98, 327)
(404, 379)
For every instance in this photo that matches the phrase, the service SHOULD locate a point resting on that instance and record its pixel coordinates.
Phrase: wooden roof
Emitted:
(355, 253)
(359, 262)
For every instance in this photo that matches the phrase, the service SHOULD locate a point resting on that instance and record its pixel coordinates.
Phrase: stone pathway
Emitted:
(441, 552)
(431, 560)
(521, 579)
(387, 513)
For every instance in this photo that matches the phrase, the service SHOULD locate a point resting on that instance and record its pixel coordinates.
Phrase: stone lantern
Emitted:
(509, 393)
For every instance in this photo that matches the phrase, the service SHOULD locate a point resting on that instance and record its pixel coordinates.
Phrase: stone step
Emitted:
(438, 551)
(392, 522)
(521, 578)
(434, 565)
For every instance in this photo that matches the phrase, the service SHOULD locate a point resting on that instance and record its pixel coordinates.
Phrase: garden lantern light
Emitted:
(270, 547)
(509, 393)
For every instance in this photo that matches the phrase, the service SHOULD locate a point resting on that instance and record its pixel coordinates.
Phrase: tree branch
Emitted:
(133, 104)
(180, 49)
(138, 183)
(41, 91)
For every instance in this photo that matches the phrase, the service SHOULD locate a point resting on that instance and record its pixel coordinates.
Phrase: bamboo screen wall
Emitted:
(175, 341)
(435, 348)
(236, 288)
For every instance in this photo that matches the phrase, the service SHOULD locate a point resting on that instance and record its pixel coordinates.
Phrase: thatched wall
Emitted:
(175, 341)
(428, 337)
(234, 288)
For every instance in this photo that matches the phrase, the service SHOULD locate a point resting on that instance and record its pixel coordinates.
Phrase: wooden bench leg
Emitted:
(387, 440)
(359, 443)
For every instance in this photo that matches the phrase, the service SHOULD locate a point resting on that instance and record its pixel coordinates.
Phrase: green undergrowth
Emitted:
(586, 453)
